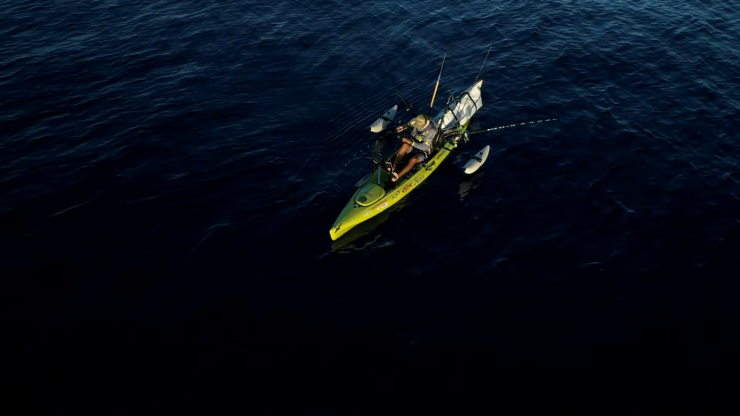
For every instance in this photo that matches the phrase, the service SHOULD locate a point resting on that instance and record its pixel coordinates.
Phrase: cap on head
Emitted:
(421, 121)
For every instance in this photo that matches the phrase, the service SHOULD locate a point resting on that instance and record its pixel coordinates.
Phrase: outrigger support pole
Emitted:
(466, 154)
(387, 119)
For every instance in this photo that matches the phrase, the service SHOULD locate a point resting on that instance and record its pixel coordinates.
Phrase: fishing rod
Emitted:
(481, 65)
(481, 157)
(409, 107)
(511, 125)
(436, 86)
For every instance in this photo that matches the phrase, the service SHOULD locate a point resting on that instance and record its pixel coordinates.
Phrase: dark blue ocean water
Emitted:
(169, 171)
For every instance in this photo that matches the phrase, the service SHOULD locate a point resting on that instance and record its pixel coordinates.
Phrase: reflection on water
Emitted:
(470, 183)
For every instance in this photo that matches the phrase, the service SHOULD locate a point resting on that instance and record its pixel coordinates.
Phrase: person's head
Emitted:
(421, 121)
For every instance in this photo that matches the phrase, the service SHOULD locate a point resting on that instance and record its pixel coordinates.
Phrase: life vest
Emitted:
(423, 138)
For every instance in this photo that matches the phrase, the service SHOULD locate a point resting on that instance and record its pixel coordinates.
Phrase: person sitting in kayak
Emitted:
(419, 145)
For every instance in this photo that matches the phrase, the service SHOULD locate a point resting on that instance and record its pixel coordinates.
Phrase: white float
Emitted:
(381, 123)
(473, 164)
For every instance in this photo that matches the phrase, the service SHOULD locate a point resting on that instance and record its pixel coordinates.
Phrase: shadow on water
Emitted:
(357, 238)
(470, 183)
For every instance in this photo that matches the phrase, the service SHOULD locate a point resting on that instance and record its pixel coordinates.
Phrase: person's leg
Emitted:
(401, 153)
(414, 160)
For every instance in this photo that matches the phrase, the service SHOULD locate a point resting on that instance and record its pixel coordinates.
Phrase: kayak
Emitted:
(376, 192)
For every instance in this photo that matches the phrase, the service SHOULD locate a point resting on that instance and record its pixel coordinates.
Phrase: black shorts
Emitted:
(419, 154)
